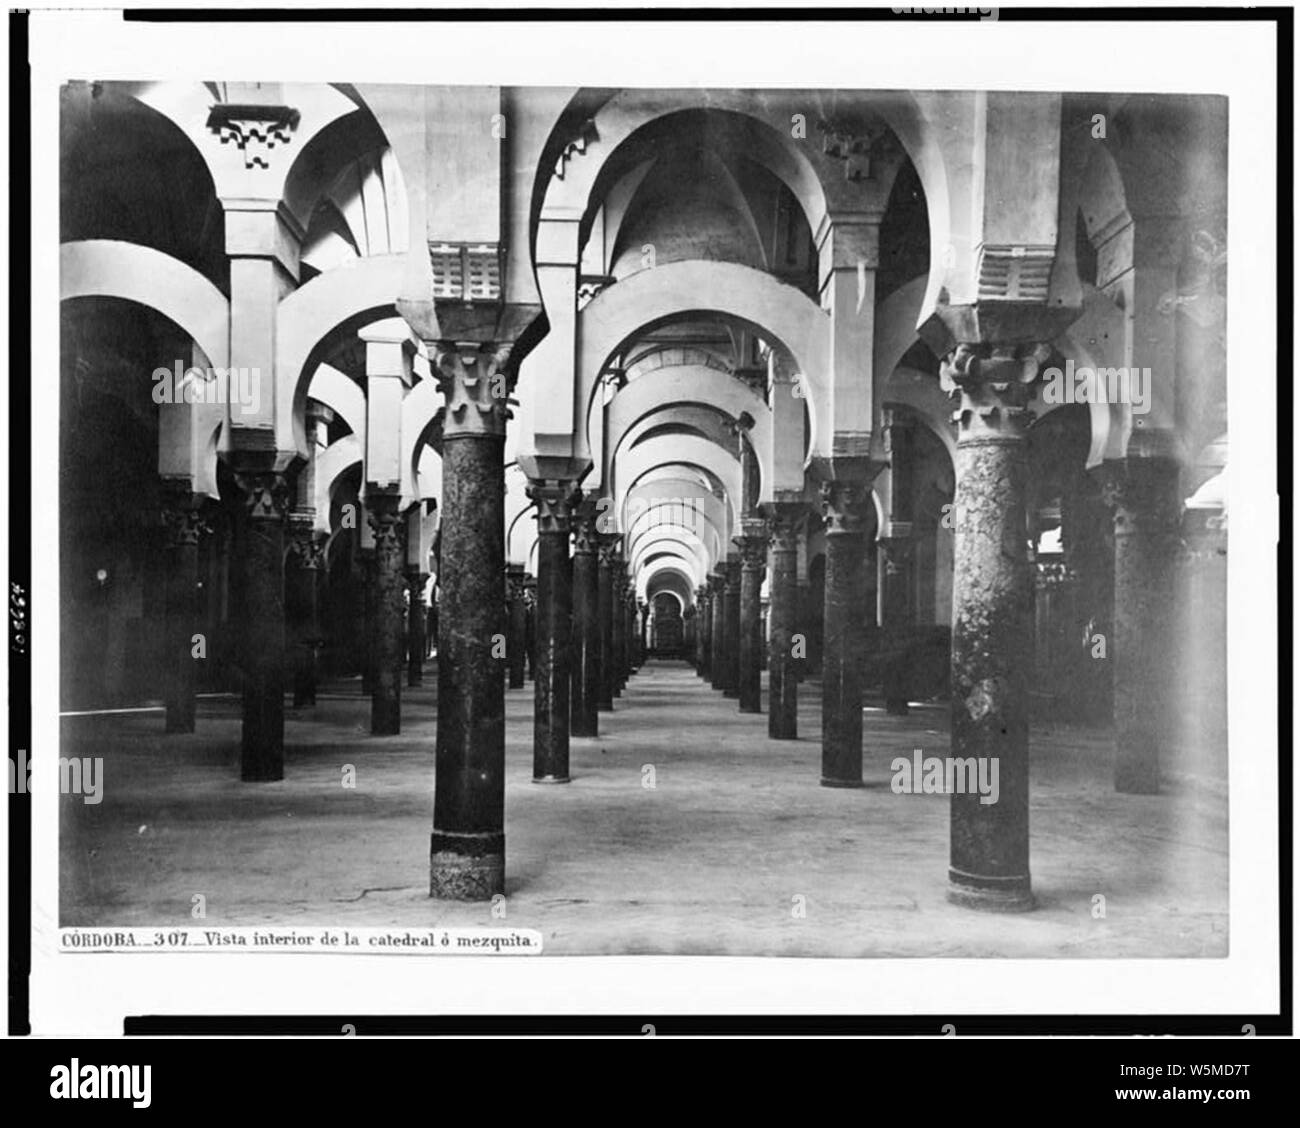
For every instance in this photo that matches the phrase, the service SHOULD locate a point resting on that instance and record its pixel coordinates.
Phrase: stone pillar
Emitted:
(517, 638)
(605, 614)
(183, 522)
(369, 611)
(844, 505)
(386, 524)
(554, 500)
(639, 620)
(992, 626)
(782, 676)
(530, 624)
(306, 565)
(416, 617)
(731, 628)
(749, 650)
(264, 488)
(1143, 493)
(467, 847)
(618, 626)
(704, 628)
(896, 556)
(584, 675)
(718, 659)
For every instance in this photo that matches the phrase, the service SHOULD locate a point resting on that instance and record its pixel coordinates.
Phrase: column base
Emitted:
(751, 709)
(990, 894)
(385, 718)
(594, 731)
(825, 782)
(467, 867)
(896, 708)
(550, 779)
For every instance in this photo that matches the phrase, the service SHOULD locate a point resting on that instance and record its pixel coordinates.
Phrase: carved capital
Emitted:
(307, 549)
(555, 501)
(994, 384)
(472, 378)
(844, 507)
(416, 581)
(1050, 574)
(897, 551)
(516, 582)
(264, 494)
(586, 537)
(1142, 495)
(611, 549)
(183, 517)
(753, 552)
(386, 522)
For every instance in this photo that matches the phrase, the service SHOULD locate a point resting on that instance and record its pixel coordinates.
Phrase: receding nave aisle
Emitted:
(712, 860)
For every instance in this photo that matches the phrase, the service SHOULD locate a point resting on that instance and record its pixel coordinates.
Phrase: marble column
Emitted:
(554, 500)
(638, 620)
(467, 847)
(417, 613)
(618, 627)
(605, 614)
(992, 626)
(782, 676)
(369, 612)
(265, 492)
(704, 630)
(718, 658)
(731, 628)
(182, 522)
(305, 567)
(896, 557)
(1142, 492)
(517, 639)
(530, 624)
(844, 505)
(584, 674)
(387, 524)
(749, 650)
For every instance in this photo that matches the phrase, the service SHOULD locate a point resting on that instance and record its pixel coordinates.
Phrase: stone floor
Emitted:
(712, 860)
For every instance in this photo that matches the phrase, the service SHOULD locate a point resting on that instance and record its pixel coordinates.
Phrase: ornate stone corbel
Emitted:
(254, 130)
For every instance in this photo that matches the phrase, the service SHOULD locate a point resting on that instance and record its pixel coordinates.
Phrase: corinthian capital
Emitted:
(264, 494)
(585, 537)
(555, 501)
(472, 377)
(844, 506)
(994, 384)
(386, 522)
